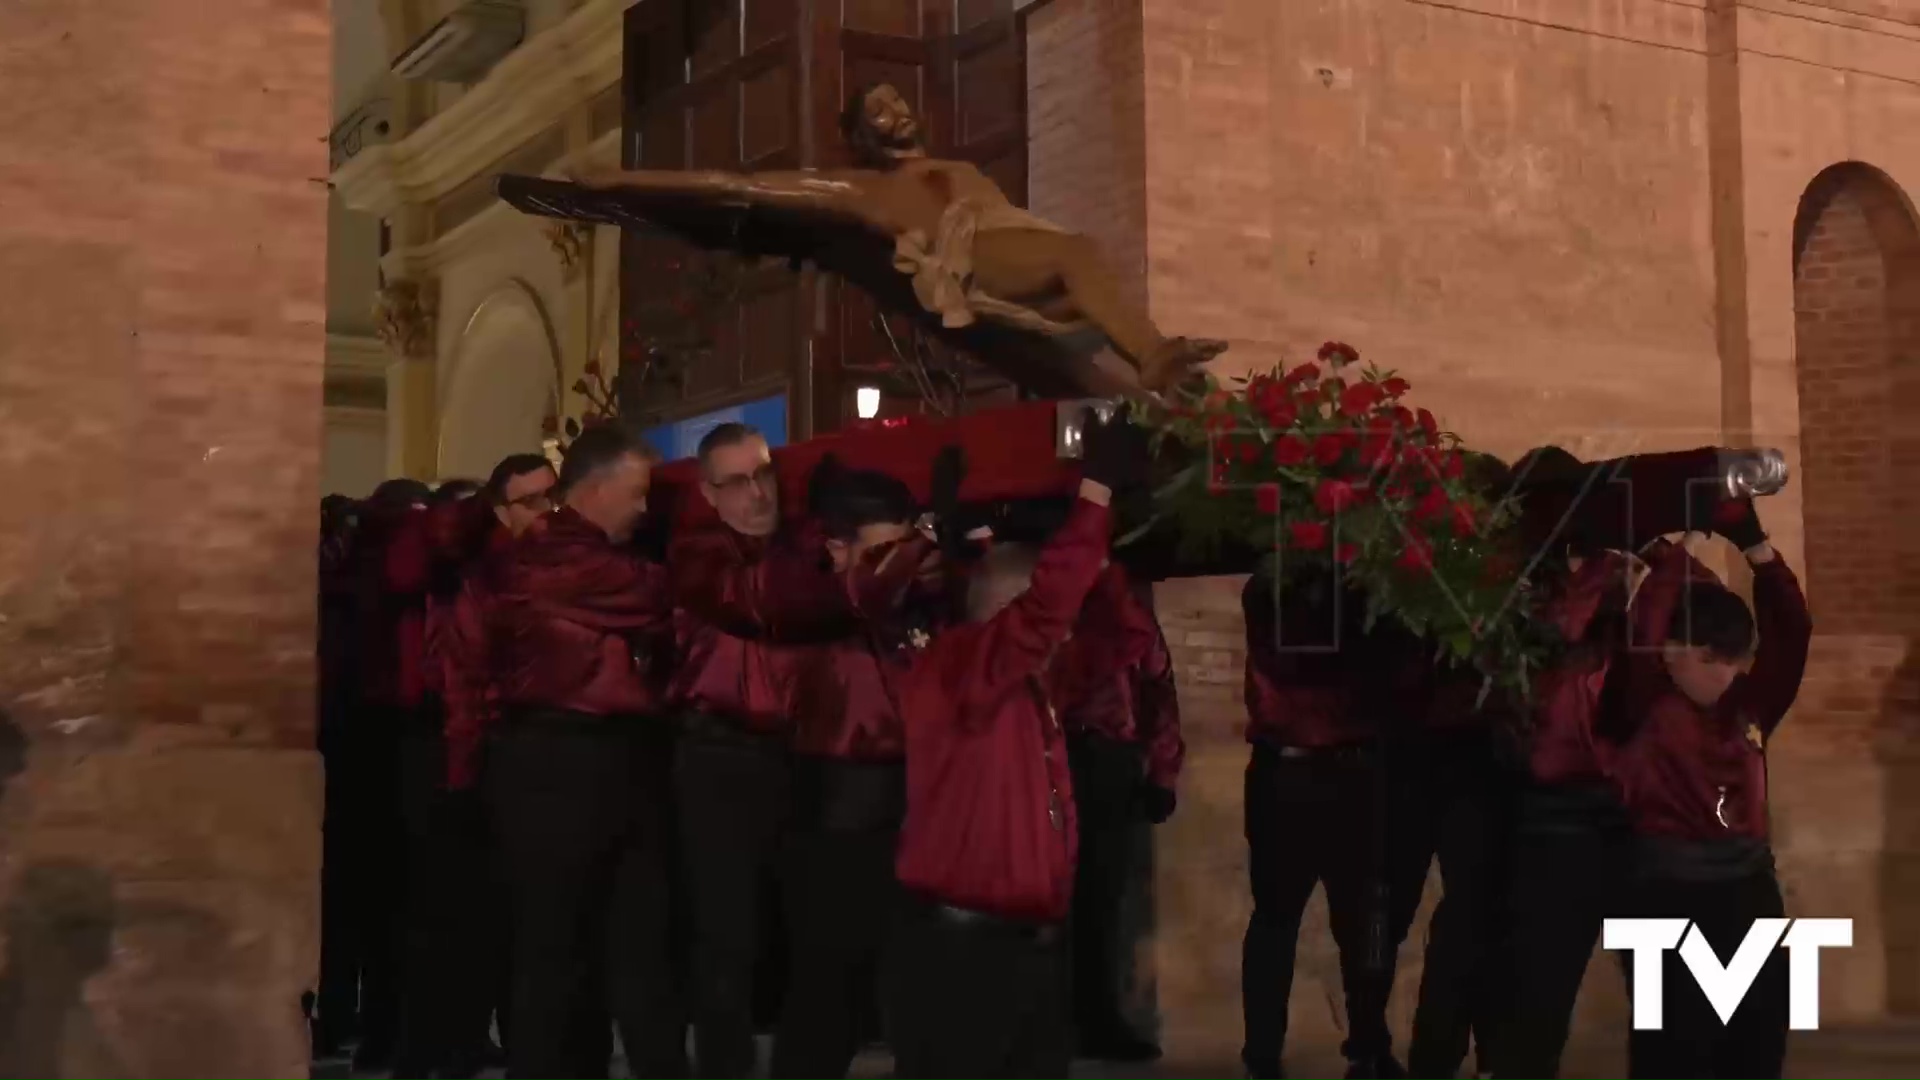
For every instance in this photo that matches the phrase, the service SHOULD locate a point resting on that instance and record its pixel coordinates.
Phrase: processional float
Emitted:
(937, 242)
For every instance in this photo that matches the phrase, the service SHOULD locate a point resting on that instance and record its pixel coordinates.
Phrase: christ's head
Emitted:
(879, 126)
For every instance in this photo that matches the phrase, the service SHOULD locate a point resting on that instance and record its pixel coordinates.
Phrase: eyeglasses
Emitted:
(733, 485)
(539, 502)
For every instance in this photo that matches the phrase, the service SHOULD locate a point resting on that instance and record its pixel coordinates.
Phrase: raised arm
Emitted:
(836, 193)
(1786, 631)
(1023, 636)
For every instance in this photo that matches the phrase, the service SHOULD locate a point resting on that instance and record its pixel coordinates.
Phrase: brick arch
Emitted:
(1856, 288)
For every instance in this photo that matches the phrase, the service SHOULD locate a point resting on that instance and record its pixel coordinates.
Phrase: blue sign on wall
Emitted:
(682, 439)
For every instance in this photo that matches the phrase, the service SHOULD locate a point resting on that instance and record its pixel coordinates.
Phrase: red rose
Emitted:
(1359, 399)
(1376, 451)
(1431, 505)
(1346, 553)
(1290, 450)
(1329, 447)
(1303, 375)
(1339, 353)
(1250, 451)
(1266, 499)
(1465, 521)
(593, 368)
(1308, 535)
(1395, 387)
(1428, 424)
(1417, 555)
(1403, 418)
(1333, 496)
(1280, 412)
(1454, 466)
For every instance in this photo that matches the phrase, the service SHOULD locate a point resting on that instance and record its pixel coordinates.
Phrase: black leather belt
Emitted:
(1038, 933)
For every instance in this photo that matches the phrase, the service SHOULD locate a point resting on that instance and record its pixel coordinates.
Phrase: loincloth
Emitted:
(942, 270)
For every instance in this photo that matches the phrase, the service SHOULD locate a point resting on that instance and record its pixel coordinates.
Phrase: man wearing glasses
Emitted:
(742, 590)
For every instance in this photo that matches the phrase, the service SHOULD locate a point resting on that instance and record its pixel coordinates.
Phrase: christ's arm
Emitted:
(837, 192)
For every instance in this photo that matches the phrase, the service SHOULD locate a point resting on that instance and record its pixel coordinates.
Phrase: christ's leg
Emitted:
(1039, 268)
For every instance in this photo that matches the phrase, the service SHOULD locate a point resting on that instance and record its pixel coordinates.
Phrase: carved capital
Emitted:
(571, 242)
(405, 315)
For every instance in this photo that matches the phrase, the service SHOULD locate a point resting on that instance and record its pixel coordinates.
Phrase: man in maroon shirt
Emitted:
(744, 591)
(1113, 685)
(986, 854)
(366, 850)
(579, 774)
(1567, 843)
(1329, 799)
(457, 964)
(1693, 778)
(849, 777)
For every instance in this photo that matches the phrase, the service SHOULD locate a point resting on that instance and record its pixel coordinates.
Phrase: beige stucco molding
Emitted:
(433, 257)
(528, 92)
(352, 354)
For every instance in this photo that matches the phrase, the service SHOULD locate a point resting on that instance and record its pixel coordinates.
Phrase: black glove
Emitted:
(822, 483)
(1114, 451)
(1737, 520)
(1156, 803)
(949, 470)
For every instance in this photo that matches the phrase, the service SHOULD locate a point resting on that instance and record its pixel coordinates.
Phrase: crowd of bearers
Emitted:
(859, 769)
(1631, 785)
(605, 767)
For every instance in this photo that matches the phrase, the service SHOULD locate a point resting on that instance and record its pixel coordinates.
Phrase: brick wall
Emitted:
(162, 253)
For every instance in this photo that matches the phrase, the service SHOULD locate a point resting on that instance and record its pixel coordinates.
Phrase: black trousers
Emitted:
(1569, 861)
(1694, 1042)
(455, 967)
(733, 794)
(978, 998)
(1332, 818)
(584, 813)
(362, 878)
(1466, 819)
(1107, 776)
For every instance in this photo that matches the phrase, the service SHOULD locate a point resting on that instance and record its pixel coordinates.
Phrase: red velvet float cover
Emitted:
(1010, 454)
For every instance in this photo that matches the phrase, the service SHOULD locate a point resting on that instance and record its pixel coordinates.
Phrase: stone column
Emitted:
(162, 254)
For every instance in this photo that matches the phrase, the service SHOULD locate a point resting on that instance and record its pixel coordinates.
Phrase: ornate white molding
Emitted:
(351, 354)
(407, 314)
(521, 97)
(434, 257)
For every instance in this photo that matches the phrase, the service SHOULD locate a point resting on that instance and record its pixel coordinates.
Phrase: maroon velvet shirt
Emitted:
(1296, 682)
(419, 547)
(459, 666)
(846, 694)
(990, 823)
(741, 602)
(1699, 773)
(1565, 745)
(1114, 677)
(578, 623)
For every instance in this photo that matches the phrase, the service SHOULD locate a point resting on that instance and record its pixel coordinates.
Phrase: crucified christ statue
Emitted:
(971, 253)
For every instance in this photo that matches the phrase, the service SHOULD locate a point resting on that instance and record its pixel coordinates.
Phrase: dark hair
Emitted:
(866, 147)
(511, 468)
(400, 492)
(731, 433)
(450, 490)
(1711, 617)
(597, 449)
(865, 497)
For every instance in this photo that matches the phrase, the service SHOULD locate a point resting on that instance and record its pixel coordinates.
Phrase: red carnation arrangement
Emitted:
(1327, 469)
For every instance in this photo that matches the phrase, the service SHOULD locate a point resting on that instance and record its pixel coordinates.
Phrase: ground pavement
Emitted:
(1868, 1053)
